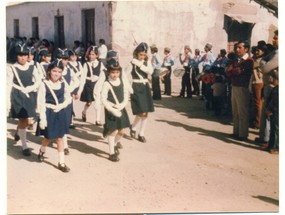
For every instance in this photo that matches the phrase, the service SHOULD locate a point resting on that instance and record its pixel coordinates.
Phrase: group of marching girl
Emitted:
(48, 88)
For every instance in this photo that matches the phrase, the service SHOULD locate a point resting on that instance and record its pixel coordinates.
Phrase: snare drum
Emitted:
(179, 72)
(163, 72)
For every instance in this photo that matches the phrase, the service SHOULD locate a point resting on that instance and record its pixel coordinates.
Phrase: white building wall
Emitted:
(166, 23)
(46, 12)
(177, 23)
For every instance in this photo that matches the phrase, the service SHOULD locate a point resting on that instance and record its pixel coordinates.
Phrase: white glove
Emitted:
(119, 106)
(137, 62)
(116, 112)
(43, 123)
(28, 89)
(58, 107)
(24, 90)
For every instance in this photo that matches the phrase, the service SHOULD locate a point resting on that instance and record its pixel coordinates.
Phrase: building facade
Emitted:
(123, 24)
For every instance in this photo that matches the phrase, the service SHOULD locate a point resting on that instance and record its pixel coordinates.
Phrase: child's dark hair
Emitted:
(93, 48)
(57, 63)
(113, 64)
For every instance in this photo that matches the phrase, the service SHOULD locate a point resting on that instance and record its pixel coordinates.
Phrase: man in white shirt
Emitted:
(102, 51)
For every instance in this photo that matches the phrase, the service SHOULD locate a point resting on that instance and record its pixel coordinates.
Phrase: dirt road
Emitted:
(189, 164)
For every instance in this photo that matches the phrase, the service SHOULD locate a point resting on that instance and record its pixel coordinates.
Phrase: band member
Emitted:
(141, 99)
(53, 98)
(22, 83)
(168, 62)
(156, 63)
(114, 96)
(92, 70)
(185, 60)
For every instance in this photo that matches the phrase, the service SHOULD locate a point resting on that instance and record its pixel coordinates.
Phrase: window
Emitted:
(16, 28)
(35, 27)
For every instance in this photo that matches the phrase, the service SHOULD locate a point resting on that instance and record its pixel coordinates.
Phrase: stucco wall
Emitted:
(177, 23)
(165, 23)
(46, 11)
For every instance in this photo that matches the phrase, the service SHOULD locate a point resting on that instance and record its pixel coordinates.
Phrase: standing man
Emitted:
(267, 65)
(102, 51)
(240, 74)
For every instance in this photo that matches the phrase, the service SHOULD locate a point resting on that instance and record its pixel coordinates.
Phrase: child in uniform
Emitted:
(168, 62)
(92, 70)
(44, 63)
(114, 97)
(156, 63)
(141, 99)
(71, 82)
(53, 98)
(185, 60)
(22, 83)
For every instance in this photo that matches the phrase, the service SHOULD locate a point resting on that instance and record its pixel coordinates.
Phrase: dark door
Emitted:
(88, 25)
(59, 32)
(237, 31)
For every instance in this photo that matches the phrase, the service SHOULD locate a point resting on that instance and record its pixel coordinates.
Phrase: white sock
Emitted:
(143, 126)
(23, 135)
(117, 138)
(135, 123)
(98, 114)
(64, 139)
(85, 109)
(43, 149)
(111, 141)
(61, 157)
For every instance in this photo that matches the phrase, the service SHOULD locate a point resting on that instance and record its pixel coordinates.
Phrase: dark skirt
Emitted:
(23, 107)
(69, 111)
(87, 93)
(56, 125)
(141, 99)
(113, 123)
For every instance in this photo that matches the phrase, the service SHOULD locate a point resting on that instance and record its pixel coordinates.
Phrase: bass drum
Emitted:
(179, 72)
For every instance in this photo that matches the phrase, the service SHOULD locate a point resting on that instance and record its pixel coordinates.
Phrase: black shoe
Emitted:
(63, 167)
(84, 117)
(114, 157)
(117, 152)
(119, 145)
(141, 139)
(98, 123)
(16, 137)
(66, 151)
(189, 97)
(41, 156)
(26, 152)
(72, 126)
(132, 133)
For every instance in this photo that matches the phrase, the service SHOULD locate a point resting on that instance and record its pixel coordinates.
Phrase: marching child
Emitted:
(92, 70)
(53, 98)
(71, 81)
(141, 99)
(114, 96)
(44, 63)
(22, 83)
